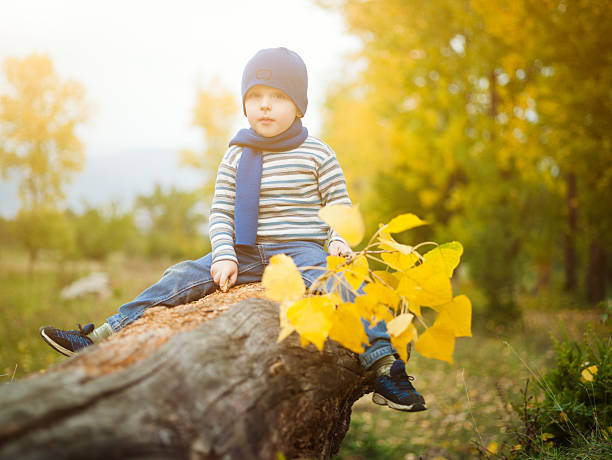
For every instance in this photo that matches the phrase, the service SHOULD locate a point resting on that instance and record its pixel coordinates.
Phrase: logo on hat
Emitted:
(263, 74)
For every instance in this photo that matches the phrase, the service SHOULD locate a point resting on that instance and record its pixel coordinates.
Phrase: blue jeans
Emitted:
(191, 280)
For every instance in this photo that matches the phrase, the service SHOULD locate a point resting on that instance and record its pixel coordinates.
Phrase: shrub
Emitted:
(577, 402)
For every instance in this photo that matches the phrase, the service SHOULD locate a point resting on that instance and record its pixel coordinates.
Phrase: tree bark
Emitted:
(570, 233)
(596, 273)
(222, 390)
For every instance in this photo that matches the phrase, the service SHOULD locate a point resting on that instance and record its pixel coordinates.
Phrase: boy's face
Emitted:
(269, 110)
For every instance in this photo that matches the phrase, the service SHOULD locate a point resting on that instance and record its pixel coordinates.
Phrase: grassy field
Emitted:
(28, 303)
(469, 401)
(469, 413)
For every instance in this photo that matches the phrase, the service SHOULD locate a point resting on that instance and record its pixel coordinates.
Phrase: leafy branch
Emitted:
(351, 290)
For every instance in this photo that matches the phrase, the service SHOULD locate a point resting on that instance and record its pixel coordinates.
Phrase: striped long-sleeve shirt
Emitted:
(294, 185)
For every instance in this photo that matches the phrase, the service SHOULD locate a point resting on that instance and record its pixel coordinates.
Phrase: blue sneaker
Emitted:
(396, 390)
(67, 342)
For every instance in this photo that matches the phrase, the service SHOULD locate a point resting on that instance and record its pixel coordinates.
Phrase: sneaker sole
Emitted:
(382, 401)
(54, 345)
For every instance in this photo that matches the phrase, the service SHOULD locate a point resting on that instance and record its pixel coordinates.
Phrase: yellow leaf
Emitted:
(347, 328)
(404, 222)
(563, 416)
(403, 256)
(334, 299)
(399, 261)
(380, 293)
(356, 272)
(402, 332)
(414, 308)
(370, 309)
(285, 325)
(446, 256)
(386, 277)
(345, 220)
(334, 261)
(282, 280)
(493, 447)
(546, 436)
(425, 285)
(459, 312)
(588, 374)
(312, 318)
(438, 342)
(399, 324)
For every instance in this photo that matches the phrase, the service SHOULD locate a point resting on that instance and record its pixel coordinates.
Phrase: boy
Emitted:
(270, 185)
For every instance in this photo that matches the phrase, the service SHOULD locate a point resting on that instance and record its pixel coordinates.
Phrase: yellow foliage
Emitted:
(418, 281)
(354, 271)
(458, 313)
(402, 332)
(39, 116)
(312, 318)
(372, 310)
(347, 328)
(588, 374)
(438, 341)
(285, 325)
(386, 277)
(425, 285)
(282, 280)
(379, 293)
(333, 262)
(214, 114)
(402, 256)
(446, 256)
(345, 220)
(404, 222)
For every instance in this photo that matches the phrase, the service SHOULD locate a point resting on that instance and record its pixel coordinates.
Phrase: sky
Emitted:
(142, 61)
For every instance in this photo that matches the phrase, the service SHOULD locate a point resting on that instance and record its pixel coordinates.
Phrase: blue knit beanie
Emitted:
(279, 68)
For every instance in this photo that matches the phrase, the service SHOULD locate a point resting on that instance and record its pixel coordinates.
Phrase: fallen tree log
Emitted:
(220, 388)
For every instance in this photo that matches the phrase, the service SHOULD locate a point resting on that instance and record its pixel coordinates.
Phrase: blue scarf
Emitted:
(248, 174)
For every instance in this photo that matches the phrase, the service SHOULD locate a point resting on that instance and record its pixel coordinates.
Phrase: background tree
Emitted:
(214, 113)
(173, 222)
(472, 108)
(38, 116)
(98, 232)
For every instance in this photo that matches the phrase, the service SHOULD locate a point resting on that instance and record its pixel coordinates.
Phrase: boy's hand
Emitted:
(338, 248)
(224, 273)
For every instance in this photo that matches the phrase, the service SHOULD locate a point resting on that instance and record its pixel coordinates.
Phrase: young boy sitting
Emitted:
(270, 185)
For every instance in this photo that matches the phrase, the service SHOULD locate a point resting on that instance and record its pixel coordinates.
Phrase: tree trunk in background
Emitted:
(570, 235)
(596, 273)
(224, 389)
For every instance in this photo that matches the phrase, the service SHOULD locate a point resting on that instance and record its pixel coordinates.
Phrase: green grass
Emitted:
(590, 449)
(28, 303)
(469, 413)
(469, 401)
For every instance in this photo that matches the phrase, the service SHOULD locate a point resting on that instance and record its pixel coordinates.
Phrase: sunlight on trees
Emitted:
(38, 144)
(214, 113)
(492, 120)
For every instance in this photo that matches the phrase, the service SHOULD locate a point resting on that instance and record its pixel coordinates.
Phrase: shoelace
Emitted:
(82, 332)
(404, 383)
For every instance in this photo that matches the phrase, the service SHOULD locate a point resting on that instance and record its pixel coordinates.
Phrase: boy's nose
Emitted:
(265, 102)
